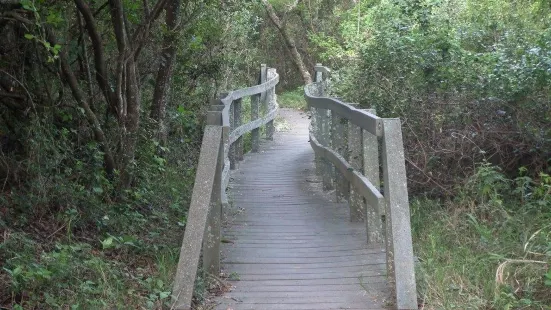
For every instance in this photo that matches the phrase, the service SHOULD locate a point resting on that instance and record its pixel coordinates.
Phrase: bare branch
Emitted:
(16, 16)
(97, 44)
(103, 6)
(142, 32)
(146, 10)
(289, 41)
(79, 96)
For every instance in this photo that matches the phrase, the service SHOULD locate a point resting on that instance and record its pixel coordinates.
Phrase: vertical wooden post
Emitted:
(211, 239)
(357, 206)
(271, 104)
(316, 131)
(198, 217)
(325, 140)
(374, 214)
(398, 226)
(238, 119)
(263, 79)
(339, 145)
(316, 121)
(231, 153)
(225, 174)
(255, 114)
(319, 75)
(319, 82)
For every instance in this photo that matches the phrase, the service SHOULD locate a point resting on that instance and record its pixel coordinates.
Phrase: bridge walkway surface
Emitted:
(288, 245)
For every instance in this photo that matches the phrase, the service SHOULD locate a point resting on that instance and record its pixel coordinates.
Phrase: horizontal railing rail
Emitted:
(221, 150)
(360, 118)
(345, 140)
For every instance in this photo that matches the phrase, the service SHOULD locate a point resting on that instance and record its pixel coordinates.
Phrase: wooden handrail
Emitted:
(345, 141)
(360, 118)
(197, 217)
(360, 182)
(221, 149)
(241, 93)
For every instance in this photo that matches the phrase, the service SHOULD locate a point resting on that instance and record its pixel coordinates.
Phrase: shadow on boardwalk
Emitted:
(288, 244)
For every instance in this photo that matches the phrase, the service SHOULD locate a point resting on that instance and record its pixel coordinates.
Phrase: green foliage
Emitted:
(488, 248)
(79, 277)
(292, 99)
(470, 79)
(72, 235)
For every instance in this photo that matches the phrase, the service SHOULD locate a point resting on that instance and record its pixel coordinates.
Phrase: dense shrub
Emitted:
(470, 81)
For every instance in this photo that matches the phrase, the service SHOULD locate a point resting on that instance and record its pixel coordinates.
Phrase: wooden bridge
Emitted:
(301, 221)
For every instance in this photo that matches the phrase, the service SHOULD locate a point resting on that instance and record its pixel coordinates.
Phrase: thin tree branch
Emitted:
(142, 32)
(296, 57)
(86, 60)
(16, 16)
(117, 17)
(79, 96)
(97, 44)
(103, 6)
(146, 10)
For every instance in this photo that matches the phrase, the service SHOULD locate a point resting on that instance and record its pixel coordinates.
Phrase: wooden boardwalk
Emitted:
(287, 245)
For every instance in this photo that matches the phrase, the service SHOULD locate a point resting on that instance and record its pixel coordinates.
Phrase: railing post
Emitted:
(319, 81)
(263, 79)
(316, 131)
(200, 207)
(397, 217)
(338, 144)
(319, 74)
(370, 154)
(263, 95)
(325, 140)
(357, 205)
(317, 123)
(322, 118)
(270, 105)
(211, 239)
(225, 177)
(238, 119)
(255, 114)
(231, 153)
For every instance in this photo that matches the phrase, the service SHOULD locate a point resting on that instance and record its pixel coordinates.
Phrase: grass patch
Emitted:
(490, 248)
(293, 99)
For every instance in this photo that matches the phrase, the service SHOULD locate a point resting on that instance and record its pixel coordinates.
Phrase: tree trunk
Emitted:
(91, 117)
(132, 122)
(166, 66)
(289, 42)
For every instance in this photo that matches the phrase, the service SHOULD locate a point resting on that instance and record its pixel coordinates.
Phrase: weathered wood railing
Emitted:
(345, 142)
(221, 150)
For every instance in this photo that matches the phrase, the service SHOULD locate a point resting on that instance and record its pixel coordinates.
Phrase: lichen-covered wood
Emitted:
(197, 219)
(354, 155)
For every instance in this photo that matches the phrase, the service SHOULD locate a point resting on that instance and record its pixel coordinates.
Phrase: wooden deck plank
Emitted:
(290, 246)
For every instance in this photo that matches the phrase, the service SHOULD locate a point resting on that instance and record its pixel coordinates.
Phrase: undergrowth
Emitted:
(293, 99)
(490, 247)
(72, 240)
